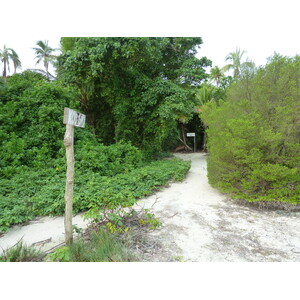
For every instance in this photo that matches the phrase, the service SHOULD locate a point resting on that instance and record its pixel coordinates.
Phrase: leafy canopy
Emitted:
(152, 80)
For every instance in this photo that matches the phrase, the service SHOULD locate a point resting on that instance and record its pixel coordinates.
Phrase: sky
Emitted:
(258, 27)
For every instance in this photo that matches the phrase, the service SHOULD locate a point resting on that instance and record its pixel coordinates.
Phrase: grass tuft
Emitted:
(21, 253)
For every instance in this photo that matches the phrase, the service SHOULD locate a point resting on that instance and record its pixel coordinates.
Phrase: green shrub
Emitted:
(31, 114)
(61, 254)
(107, 160)
(33, 192)
(253, 139)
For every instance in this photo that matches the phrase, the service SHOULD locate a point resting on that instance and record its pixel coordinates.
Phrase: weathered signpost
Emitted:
(192, 134)
(72, 119)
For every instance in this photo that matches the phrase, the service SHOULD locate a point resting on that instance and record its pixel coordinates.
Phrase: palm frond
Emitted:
(227, 67)
(44, 53)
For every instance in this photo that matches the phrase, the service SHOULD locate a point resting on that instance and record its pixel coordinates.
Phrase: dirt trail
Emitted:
(200, 224)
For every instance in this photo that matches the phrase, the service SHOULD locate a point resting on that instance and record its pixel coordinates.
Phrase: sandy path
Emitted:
(199, 224)
(45, 233)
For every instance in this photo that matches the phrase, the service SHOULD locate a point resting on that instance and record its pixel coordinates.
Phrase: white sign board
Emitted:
(190, 134)
(72, 117)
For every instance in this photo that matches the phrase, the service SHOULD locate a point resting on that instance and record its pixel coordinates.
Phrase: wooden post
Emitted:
(71, 118)
(69, 144)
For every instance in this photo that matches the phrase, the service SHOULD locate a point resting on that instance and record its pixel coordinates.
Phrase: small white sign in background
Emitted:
(190, 134)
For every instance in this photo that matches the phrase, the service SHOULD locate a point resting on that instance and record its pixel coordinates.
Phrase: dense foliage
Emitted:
(31, 130)
(135, 89)
(254, 137)
(32, 157)
(37, 192)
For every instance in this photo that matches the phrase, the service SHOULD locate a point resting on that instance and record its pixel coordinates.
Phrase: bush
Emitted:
(31, 115)
(34, 192)
(253, 139)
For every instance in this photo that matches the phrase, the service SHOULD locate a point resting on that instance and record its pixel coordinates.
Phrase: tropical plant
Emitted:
(32, 157)
(44, 53)
(67, 43)
(216, 75)
(205, 94)
(152, 80)
(2, 83)
(254, 141)
(6, 55)
(16, 61)
(236, 64)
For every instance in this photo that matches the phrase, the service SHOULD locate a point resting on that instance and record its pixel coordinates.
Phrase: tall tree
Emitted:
(236, 64)
(216, 75)
(136, 89)
(16, 61)
(44, 53)
(6, 55)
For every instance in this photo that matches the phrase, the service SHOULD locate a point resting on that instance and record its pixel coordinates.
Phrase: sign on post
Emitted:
(192, 134)
(72, 118)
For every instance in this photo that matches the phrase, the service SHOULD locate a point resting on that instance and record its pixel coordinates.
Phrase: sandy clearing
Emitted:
(199, 224)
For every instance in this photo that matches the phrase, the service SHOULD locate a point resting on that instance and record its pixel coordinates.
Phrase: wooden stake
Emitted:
(69, 144)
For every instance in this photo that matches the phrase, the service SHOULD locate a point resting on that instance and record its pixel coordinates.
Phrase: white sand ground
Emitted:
(199, 224)
(44, 233)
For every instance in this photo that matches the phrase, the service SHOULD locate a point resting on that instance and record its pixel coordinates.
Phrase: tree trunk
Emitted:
(69, 144)
(4, 69)
(183, 133)
(183, 140)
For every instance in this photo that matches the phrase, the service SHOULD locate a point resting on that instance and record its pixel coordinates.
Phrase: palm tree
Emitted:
(216, 74)
(44, 53)
(6, 55)
(16, 61)
(236, 62)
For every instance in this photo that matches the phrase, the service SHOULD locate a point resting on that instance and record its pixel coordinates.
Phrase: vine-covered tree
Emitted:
(136, 89)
